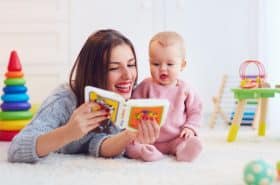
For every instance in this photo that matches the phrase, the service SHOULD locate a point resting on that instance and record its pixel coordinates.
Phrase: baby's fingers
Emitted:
(183, 134)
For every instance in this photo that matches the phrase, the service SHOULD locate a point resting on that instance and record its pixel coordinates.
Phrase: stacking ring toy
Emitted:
(14, 74)
(15, 97)
(15, 115)
(7, 135)
(15, 106)
(14, 81)
(13, 124)
(14, 89)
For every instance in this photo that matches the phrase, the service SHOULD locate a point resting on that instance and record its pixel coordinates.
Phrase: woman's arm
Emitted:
(80, 123)
(46, 134)
(23, 145)
(115, 145)
(52, 141)
(148, 132)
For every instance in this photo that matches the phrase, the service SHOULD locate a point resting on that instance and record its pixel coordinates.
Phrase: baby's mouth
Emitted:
(163, 76)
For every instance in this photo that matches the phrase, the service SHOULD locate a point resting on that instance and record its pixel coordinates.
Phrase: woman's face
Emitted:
(122, 71)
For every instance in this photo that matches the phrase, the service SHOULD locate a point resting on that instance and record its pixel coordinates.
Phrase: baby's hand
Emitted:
(186, 133)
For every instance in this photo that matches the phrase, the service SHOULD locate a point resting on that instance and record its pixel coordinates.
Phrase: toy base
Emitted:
(7, 135)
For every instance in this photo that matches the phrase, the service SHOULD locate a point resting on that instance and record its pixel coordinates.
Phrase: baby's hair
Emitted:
(168, 38)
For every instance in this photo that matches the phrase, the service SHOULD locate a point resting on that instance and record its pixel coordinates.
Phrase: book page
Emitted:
(107, 100)
(139, 109)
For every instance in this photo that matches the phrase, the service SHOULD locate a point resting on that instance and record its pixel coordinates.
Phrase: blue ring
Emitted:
(11, 89)
(15, 106)
(15, 97)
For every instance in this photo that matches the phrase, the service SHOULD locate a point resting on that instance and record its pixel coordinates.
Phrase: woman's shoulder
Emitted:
(62, 91)
(62, 95)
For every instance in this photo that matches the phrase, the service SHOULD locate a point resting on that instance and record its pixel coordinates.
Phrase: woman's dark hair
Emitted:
(91, 65)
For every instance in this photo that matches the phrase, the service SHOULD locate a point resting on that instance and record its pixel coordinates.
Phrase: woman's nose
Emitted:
(126, 74)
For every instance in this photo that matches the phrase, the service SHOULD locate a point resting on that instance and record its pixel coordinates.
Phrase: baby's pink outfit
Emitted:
(184, 112)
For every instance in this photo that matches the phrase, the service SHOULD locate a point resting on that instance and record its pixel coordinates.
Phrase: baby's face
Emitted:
(166, 63)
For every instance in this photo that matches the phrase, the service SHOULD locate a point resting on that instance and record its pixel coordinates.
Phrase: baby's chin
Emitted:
(167, 83)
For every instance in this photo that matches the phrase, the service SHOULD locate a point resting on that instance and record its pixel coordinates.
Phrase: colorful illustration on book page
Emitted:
(141, 113)
(106, 103)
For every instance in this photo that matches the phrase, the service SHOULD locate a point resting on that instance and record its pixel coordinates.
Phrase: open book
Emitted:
(128, 114)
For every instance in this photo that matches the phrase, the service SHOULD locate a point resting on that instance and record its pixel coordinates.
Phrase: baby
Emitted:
(178, 135)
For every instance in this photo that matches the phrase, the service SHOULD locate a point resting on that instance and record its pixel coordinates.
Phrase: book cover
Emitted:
(128, 114)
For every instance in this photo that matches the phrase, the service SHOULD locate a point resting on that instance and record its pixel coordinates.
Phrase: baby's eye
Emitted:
(170, 64)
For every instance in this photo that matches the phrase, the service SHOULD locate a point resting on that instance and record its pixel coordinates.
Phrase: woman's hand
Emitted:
(148, 131)
(85, 118)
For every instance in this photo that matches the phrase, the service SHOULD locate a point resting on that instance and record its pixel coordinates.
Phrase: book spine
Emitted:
(122, 117)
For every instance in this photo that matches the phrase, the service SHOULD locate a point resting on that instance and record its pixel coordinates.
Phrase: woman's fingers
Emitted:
(148, 131)
(140, 137)
(95, 114)
(156, 128)
(145, 131)
(88, 107)
(96, 121)
(151, 133)
(92, 126)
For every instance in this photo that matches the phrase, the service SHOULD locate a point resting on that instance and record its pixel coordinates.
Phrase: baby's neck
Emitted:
(172, 84)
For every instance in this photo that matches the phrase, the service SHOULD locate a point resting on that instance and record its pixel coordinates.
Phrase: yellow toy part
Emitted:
(13, 124)
(233, 132)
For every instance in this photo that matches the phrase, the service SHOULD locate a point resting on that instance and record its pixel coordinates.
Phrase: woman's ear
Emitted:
(184, 64)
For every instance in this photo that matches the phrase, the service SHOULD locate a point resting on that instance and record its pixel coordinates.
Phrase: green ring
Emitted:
(14, 81)
(15, 115)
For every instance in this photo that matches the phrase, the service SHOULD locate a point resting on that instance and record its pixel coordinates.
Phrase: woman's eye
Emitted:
(155, 64)
(131, 65)
(113, 68)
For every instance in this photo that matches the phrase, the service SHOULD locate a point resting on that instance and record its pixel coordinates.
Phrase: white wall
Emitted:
(38, 31)
(136, 19)
(220, 34)
(269, 37)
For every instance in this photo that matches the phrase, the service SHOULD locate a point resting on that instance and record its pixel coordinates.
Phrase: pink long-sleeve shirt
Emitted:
(184, 110)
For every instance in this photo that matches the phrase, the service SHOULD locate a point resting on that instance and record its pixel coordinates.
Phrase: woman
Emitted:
(66, 124)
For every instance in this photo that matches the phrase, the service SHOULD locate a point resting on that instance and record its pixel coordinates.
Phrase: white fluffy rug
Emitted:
(221, 163)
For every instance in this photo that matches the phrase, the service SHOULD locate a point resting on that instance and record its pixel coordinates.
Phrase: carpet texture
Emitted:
(220, 163)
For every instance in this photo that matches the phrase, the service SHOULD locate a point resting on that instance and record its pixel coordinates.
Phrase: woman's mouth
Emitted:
(123, 87)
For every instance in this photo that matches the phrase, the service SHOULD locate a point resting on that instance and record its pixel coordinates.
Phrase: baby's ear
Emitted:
(184, 64)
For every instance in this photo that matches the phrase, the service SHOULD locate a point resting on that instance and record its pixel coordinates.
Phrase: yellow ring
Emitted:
(13, 124)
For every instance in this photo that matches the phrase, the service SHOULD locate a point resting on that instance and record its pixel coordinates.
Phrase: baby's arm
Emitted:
(193, 106)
